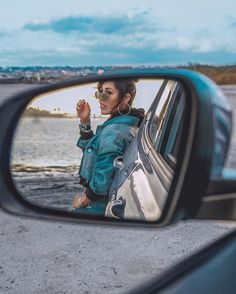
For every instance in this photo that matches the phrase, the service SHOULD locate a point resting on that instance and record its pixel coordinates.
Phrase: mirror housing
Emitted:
(208, 118)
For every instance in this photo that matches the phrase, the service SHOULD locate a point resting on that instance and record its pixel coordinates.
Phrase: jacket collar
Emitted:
(125, 119)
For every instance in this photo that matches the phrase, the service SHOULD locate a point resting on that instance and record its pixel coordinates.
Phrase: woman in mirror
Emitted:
(110, 140)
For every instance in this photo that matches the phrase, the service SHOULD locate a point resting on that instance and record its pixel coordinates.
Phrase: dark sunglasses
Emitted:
(102, 96)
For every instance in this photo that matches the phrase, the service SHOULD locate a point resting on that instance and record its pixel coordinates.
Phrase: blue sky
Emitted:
(79, 33)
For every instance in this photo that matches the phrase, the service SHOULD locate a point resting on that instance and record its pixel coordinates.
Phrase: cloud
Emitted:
(115, 24)
(231, 20)
(38, 48)
(3, 33)
(233, 24)
(108, 55)
(132, 38)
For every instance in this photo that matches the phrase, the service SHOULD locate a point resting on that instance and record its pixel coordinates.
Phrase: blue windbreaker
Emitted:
(110, 140)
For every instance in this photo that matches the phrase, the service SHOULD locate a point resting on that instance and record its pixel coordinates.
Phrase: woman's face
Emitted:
(107, 107)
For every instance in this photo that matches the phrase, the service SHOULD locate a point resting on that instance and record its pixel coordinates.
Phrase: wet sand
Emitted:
(49, 189)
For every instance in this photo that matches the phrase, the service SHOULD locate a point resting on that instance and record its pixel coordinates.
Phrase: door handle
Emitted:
(119, 162)
(117, 207)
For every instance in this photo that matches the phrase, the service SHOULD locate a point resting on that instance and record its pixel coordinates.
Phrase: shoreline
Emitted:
(49, 189)
(38, 75)
(21, 168)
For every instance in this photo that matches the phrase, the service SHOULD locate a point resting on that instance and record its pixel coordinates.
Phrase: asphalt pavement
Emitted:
(48, 257)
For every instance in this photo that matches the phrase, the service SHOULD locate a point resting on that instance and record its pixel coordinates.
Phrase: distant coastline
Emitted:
(49, 75)
(42, 113)
(39, 113)
(221, 75)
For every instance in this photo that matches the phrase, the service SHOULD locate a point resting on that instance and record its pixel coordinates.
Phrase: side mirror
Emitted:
(152, 170)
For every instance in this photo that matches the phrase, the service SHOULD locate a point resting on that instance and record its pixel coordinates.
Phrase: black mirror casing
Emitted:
(197, 159)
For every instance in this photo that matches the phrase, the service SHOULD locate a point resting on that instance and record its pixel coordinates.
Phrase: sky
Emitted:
(66, 99)
(96, 33)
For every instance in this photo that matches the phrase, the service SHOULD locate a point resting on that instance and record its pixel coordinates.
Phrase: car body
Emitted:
(142, 182)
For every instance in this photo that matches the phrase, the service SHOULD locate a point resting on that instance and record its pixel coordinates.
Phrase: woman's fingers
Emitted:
(83, 110)
(80, 201)
(82, 101)
(76, 203)
(87, 104)
(81, 104)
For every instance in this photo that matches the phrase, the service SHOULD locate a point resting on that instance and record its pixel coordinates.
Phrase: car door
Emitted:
(142, 181)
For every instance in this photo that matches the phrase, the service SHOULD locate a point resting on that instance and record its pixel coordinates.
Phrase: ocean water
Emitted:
(45, 142)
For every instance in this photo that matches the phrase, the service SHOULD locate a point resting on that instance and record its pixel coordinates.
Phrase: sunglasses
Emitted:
(102, 96)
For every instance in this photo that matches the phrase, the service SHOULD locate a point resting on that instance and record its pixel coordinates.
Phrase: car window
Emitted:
(160, 112)
(166, 123)
(168, 144)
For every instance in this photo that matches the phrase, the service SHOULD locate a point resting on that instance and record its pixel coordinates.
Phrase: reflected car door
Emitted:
(142, 181)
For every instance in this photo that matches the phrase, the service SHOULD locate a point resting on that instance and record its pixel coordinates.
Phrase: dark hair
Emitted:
(124, 87)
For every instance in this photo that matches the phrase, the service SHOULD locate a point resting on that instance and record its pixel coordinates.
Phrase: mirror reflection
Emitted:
(106, 148)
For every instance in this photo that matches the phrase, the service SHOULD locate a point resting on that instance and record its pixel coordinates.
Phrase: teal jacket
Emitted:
(110, 140)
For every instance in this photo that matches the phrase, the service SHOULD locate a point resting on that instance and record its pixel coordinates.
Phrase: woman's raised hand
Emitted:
(83, 111)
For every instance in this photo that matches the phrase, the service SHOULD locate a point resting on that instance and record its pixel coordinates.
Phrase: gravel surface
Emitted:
(46, 257)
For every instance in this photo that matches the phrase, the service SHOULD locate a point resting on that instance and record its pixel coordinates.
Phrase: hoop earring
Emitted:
(118, 109)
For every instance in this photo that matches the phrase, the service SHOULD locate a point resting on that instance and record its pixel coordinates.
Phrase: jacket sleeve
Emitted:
(84, 139)
(111, 146)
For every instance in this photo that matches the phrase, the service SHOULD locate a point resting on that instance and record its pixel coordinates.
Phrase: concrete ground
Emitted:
(46, 257)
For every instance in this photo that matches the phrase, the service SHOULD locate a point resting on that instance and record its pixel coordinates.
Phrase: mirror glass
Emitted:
(107, 148)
